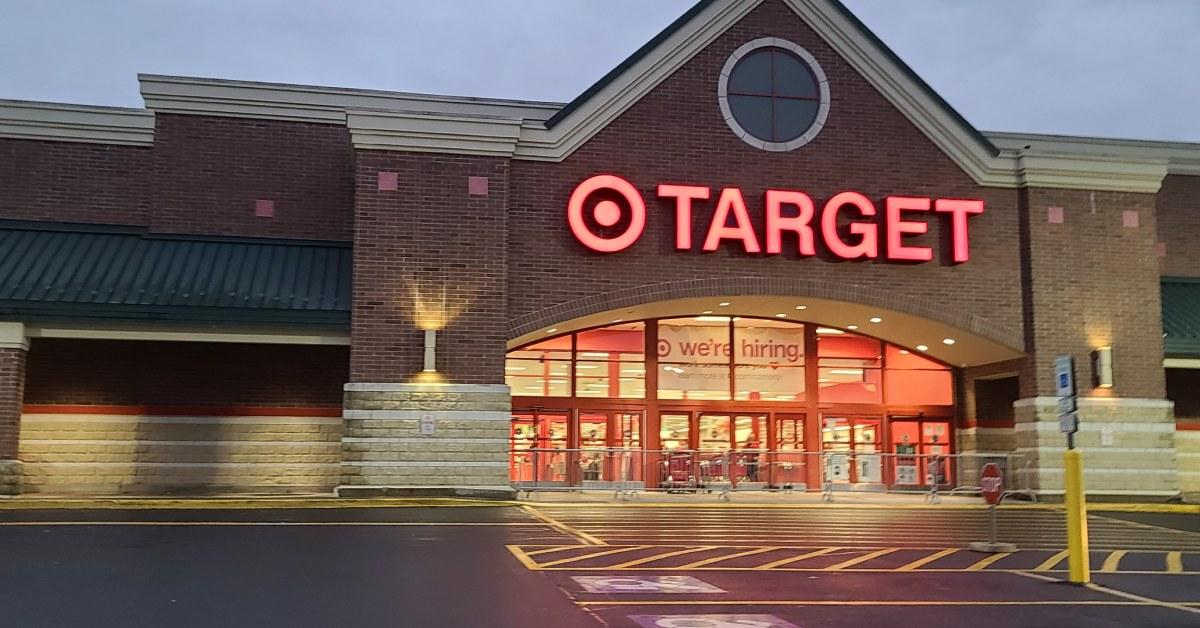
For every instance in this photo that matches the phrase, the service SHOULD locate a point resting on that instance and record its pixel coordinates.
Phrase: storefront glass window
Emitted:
(693, 358)
(610, 362)
(769, 360)
(912, 380)
(849, 369)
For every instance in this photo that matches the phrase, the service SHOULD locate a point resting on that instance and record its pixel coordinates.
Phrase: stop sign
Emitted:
(991, 480)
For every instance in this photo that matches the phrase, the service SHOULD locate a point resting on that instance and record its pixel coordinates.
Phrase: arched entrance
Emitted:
(722, 399)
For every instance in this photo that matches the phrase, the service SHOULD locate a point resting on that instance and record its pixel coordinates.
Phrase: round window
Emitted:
(773, 94)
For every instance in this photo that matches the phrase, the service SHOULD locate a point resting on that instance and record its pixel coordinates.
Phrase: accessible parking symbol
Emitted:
(645, 584)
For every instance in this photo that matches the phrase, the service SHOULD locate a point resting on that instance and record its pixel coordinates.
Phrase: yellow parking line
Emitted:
(563, 561)
(709, 561)
(523, 557)
(1174, 562)
(1049, 563)
(1113, 562)
(928, 559)
(552, 549)
(862, 559)
(983, 564)
(788, 561)
(1129, 602)
(650, 559)
(562, 527)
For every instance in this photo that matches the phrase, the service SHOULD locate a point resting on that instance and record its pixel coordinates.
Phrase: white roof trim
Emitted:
(1181, 157)
(391, 130)
(75, 123)
(189, 334)
(305, 103)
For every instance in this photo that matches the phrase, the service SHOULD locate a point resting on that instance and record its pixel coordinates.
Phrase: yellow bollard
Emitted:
(1077, 535)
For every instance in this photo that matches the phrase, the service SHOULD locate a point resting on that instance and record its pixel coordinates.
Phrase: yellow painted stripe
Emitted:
(788, 561)
(523, 557)
(920, 562)
(650, 559)
(394, 524)
(573, 559)
(862, 559)
(983, 564)
(1113, 561)
(717, 559)
(553, 549)
(1130, 602)
(562, 527)
(1049, 563)
(1174, 562)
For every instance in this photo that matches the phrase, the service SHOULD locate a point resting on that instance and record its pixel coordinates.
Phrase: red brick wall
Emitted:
(74, 182)
(676, 135)
(112, 372)
(209, 171)
(1179, 225)
(425, 244)
(12, 383)
(1092, 282)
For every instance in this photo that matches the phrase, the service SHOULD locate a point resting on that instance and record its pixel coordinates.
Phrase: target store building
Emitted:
(762, 232)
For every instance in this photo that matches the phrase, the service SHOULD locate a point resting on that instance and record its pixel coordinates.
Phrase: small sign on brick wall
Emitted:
(428, 425)
(1129, 218)
(477, 186)
(264, 208)
(1054, 215)
(388, 181)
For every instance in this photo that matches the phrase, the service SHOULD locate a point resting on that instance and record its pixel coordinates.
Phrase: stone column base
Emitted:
(426, 439)
(1128, 447)
(1187, 452)
(10, 477)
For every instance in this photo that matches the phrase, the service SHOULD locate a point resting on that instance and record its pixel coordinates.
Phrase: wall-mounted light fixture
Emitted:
(1102, 370)
(430, 350)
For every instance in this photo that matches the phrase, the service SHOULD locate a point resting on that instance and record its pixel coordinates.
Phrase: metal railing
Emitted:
(628, 471)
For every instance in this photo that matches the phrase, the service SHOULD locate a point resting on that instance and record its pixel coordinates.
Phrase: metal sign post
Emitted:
(1068, 419)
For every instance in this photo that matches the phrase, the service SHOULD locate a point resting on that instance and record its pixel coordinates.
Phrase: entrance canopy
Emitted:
(938, 340)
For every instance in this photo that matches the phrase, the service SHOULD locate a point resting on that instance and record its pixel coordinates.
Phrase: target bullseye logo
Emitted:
(606, 213)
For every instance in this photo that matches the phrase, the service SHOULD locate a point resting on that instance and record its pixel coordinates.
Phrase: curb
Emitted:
(242, 503)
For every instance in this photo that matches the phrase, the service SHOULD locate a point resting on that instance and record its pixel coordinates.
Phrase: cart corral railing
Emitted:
(627, 472)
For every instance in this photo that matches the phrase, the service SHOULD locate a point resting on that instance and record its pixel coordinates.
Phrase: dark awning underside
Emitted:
(1181, 316)
(88, 271)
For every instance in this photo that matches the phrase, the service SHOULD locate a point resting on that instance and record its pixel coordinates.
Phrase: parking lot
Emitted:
(588, 565)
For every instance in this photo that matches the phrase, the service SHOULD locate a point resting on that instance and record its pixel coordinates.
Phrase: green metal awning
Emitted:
(1181, 316)
(60, 271)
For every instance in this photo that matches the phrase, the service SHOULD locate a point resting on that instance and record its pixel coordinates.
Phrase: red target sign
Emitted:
(606, 213)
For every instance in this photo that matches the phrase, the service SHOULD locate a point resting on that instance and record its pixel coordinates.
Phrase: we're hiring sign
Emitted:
(872, 232)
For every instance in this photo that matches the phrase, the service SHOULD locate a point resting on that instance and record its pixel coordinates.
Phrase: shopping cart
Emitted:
(677, 473)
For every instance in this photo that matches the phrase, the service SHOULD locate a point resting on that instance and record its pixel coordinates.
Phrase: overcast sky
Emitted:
(1119, 68)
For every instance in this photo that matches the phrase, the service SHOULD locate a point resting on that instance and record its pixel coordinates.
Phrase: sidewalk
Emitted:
(746, 499)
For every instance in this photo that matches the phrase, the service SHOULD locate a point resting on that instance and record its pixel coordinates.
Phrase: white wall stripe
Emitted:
(1097, 426)
(415, 415)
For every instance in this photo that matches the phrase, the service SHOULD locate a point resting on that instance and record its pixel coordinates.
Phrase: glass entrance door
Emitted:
(610, 446)
(537, 444)
(917, 445)
(852, 450)
(788, 465)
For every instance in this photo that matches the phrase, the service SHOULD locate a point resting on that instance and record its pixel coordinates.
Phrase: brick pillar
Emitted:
(13, 348)
(1091, 279)
(429, 254)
